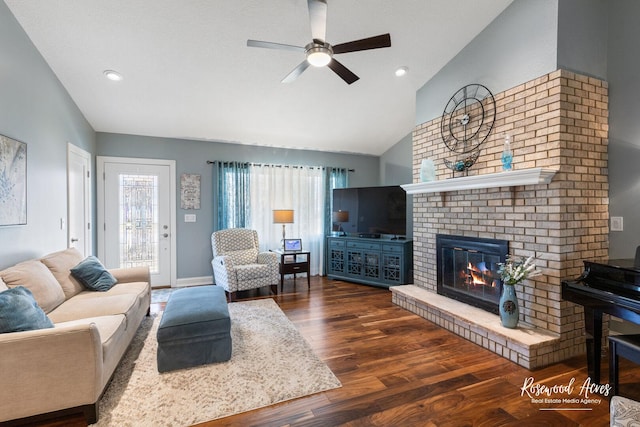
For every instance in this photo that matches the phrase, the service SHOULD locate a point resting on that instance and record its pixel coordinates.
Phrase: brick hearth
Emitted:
(527, 346)
(558, 121)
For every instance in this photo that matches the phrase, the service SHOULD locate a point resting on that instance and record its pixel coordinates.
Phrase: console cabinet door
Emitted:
(335, 257)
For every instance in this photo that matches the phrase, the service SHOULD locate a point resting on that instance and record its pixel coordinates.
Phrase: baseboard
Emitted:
(194, 281)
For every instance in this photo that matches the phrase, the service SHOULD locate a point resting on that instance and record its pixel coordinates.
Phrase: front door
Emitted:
(136, 198)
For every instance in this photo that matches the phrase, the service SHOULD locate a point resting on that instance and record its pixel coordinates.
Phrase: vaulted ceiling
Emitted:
(188, 72)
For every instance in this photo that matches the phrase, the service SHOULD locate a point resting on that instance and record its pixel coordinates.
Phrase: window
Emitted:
(248, 193)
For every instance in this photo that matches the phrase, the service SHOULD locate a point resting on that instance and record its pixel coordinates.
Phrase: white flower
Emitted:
(515, 270)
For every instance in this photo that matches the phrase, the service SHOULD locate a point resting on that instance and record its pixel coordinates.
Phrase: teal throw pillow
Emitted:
(92, 274)
(19, 311)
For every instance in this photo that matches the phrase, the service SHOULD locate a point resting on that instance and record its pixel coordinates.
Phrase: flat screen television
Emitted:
(372, 211)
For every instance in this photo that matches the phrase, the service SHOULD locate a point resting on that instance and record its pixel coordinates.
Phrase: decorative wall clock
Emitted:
(466, 123)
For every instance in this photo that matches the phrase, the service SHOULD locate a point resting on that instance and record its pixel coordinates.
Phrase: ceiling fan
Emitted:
(320, 53)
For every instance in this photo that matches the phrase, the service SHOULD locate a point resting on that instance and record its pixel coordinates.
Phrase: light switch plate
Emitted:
(617, 223)
(189, 217)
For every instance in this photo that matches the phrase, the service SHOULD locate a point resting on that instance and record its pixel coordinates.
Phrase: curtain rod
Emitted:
(211, 162)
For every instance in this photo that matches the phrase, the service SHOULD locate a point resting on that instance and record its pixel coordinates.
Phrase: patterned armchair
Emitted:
(624, 412)
(239, 265)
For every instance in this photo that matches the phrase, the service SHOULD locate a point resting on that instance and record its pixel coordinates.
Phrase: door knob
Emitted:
(73, 240)
(165, 235)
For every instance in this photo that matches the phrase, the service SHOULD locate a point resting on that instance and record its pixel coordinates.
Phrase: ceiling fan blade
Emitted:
(318, 18)
(296, 72)
(271, 45)
(375, 42)
(344, 73)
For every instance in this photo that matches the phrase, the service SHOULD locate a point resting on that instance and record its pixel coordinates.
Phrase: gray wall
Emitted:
(595, 38)
(396, 163)
(396, 169)
(623, 72)
(193, 244)
(582, 36)
(36, 109)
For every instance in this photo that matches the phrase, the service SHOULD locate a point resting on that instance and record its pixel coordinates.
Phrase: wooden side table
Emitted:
(292, 262)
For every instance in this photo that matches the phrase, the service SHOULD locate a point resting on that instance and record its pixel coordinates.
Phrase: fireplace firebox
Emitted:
(468, 269)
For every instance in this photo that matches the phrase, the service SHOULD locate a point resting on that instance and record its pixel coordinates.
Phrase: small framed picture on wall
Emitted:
(189, 191)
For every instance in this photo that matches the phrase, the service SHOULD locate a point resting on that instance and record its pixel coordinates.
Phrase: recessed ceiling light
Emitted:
(401, 71)
(113, 75)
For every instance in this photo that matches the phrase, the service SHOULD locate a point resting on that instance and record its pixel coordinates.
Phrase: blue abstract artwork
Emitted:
(13, 182)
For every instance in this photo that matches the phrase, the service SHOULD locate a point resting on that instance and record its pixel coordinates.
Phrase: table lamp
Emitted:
(283, 216)
(341, 217)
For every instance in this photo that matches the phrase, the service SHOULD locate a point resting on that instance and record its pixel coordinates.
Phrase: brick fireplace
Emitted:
(557, 122)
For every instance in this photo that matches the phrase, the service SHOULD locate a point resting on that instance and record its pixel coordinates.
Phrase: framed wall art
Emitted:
(189, 191)
(13, 182)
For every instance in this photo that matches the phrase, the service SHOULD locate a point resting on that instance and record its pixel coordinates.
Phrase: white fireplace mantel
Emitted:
(512, 178)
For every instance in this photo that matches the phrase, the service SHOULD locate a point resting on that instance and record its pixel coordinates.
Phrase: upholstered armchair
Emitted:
(624, 412)
(239, 265)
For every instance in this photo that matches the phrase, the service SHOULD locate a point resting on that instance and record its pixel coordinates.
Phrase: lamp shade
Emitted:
(341, 216)
(283, 216)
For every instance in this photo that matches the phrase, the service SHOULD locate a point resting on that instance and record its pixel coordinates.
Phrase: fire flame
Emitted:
(476, 274)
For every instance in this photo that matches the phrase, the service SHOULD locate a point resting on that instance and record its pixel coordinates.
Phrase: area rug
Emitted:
(270, 363)
(160, 295)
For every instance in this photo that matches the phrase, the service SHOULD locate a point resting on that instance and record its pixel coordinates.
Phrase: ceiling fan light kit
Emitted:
(319, 53)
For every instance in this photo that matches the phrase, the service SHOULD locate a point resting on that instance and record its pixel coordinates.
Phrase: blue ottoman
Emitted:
(195, 329)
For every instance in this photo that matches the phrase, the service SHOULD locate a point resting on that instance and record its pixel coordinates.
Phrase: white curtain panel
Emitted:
(300, 188)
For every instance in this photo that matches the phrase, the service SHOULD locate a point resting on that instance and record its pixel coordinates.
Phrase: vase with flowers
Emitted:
(515, 270)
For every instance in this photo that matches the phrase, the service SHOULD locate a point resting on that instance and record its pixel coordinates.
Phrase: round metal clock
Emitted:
(468, 118)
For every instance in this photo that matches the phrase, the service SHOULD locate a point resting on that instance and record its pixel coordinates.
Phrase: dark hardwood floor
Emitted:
(398, 369)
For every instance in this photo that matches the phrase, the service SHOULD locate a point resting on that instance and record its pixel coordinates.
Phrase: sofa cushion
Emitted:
(60, 263)
(92, 274)
(92, 304)
(112, 331)
(139, 289)
(36, 277)
(19, 311)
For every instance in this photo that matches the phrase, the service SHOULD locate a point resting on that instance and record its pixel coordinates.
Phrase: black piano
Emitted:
(611, 287)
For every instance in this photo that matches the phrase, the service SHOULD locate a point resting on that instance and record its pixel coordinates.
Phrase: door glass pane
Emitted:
(139, 229)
